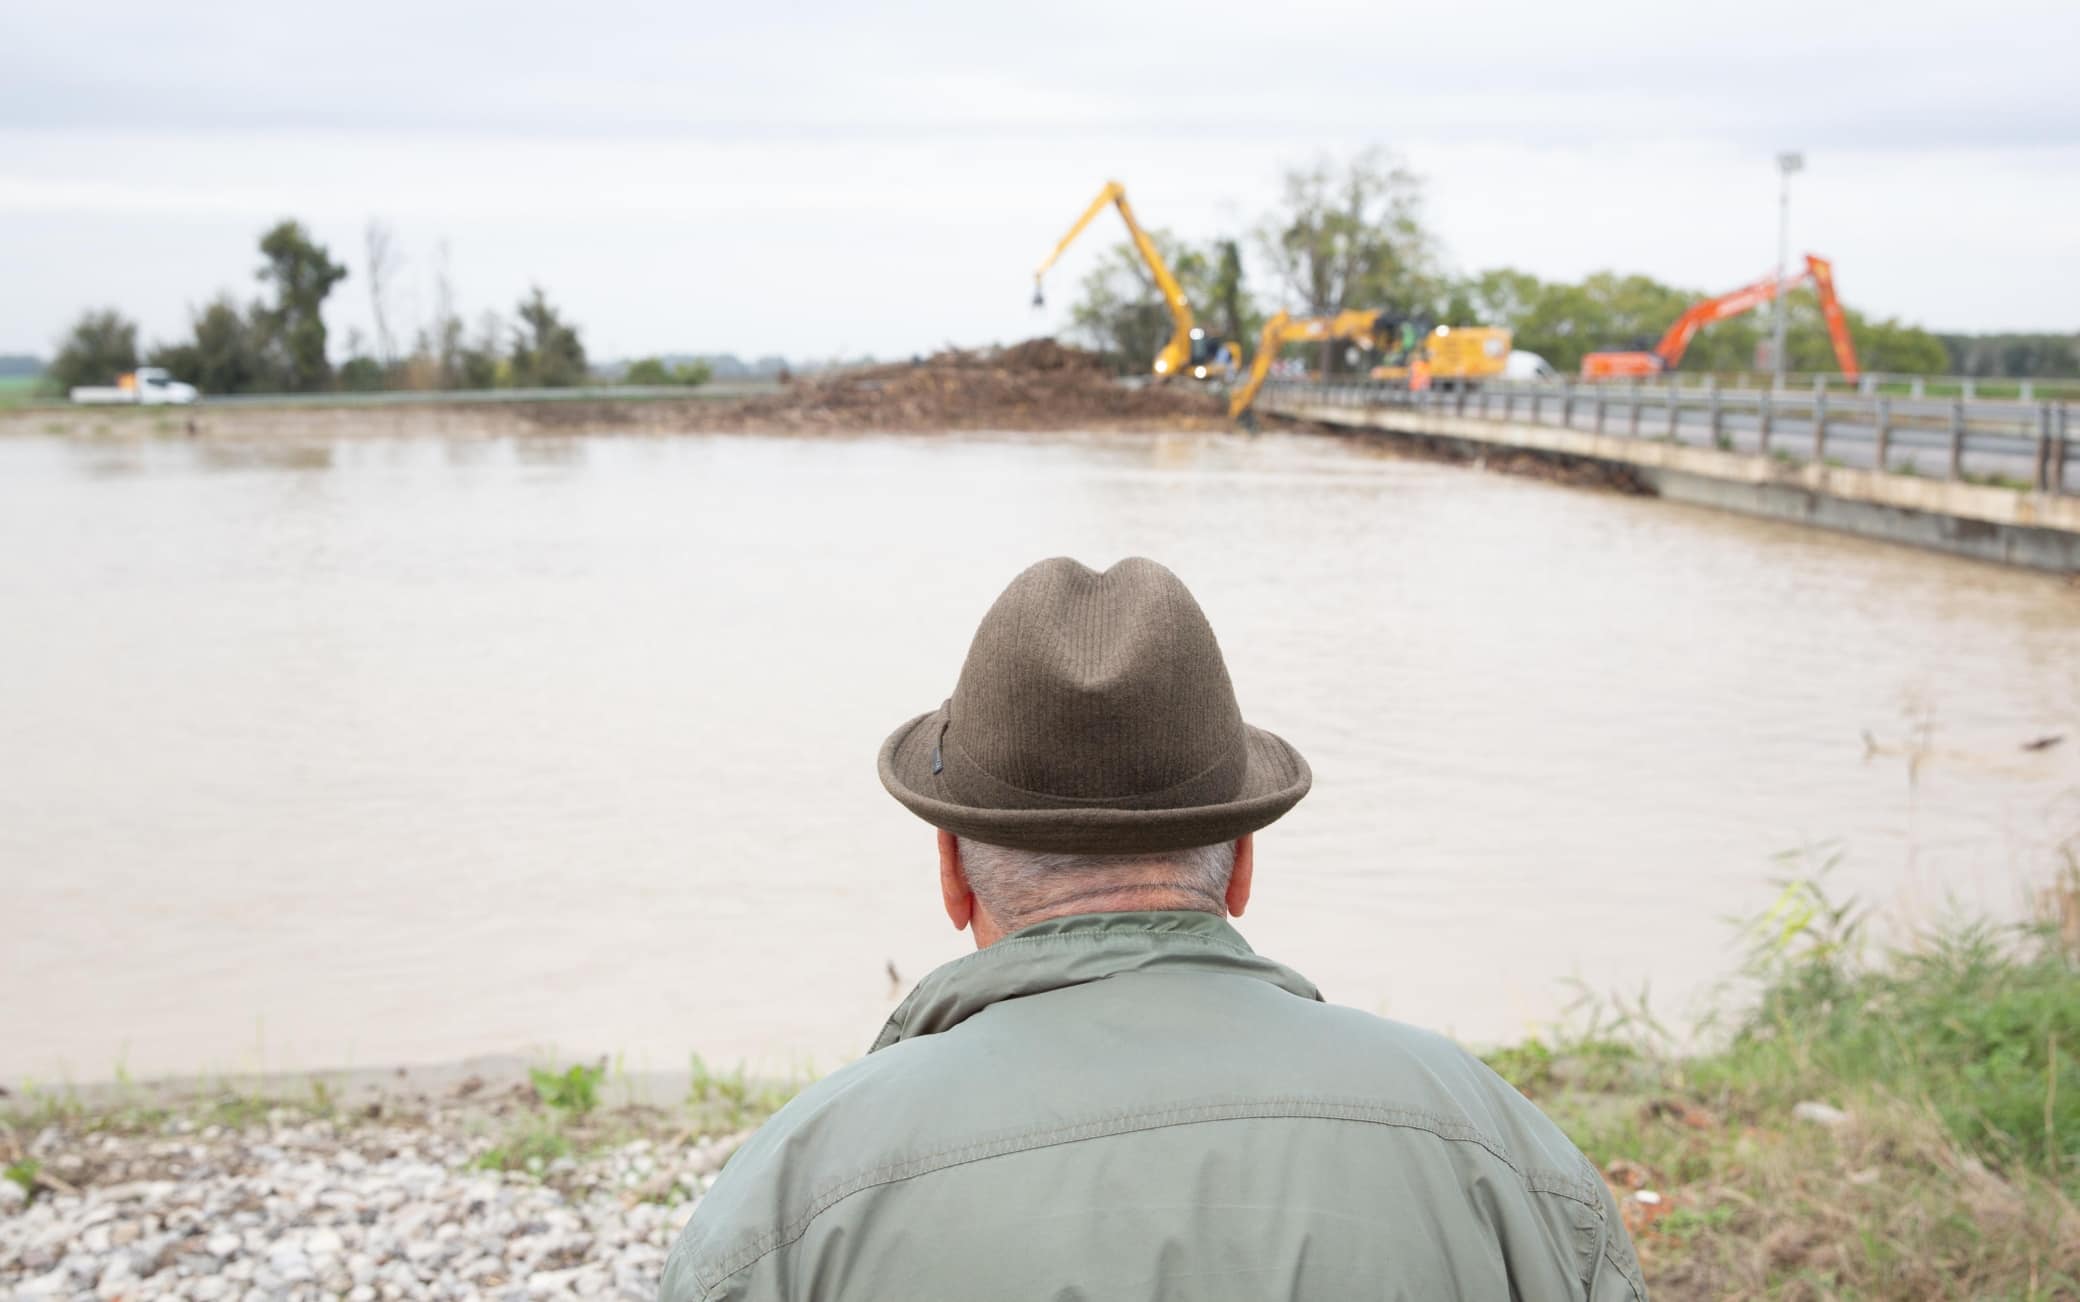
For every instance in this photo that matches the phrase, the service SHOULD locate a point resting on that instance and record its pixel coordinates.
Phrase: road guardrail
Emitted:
(2000, 441)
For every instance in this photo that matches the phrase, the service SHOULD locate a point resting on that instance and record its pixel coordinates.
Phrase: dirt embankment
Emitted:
(1038, 385)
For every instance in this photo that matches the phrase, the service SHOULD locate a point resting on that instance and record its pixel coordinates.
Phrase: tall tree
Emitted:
(99, 347)
(302, 273)
(1228, 292)
(227, 351)
(547, 352)
(1351, 235)
(1120, 311)
(380, 249)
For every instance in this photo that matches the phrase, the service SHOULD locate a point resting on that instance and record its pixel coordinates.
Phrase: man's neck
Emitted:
(1112, 899)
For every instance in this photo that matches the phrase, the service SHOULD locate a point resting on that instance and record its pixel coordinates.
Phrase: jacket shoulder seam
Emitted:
(1628, 1270)
(1537, 1180)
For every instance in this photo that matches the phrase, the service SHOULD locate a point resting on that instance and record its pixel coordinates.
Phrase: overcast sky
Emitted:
(822, 179)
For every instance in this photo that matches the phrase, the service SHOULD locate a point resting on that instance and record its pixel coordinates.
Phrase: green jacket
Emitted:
(1135, 1105)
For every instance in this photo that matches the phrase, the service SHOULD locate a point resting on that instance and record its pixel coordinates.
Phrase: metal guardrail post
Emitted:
(1884, 434)
(1819, 422)
(1711, 399)
(1601, 404)
(2043, 477)
(1765, 412)
(1675, 405)
(1538, 405)
(2058, 451)
(1567, 405)
(1509, 405)
(1957, 438)
(1632, 396)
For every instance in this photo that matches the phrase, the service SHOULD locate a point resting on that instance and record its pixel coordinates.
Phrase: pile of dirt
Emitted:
(1036, 385)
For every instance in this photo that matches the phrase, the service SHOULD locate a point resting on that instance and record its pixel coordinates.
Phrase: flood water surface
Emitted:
(383, 751)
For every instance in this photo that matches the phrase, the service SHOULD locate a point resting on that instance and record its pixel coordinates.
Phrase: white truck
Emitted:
(147, 386)
(1521, 365)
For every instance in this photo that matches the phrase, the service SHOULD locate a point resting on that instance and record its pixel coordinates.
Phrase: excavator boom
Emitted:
(1669, 352)
(1821, 271)
(1282, 329)
(1176, 357)
(1712, 310)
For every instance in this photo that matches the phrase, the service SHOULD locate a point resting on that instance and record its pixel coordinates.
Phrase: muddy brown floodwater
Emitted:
(374, 750)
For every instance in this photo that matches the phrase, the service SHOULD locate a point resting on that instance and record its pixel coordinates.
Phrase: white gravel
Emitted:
(362, 1210)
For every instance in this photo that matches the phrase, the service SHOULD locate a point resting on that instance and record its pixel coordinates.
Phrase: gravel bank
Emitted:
(284, 1202)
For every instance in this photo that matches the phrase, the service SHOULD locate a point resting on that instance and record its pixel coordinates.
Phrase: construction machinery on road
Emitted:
(1444, 357)
(1448, 356)
(1359, 327)
(1618, 364)
(1191, 351)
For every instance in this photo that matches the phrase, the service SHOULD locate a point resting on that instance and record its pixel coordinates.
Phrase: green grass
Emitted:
(574, 1090)
(2040, 390)
(731, 1100)
(23, 1173)
(530, 1147)
(1996, 480)
(18, 390)
(1954, 1057)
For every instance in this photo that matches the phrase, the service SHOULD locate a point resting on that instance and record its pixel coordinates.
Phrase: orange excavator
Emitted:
(1665, 355)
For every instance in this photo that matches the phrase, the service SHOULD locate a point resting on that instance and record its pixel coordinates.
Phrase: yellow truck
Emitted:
(1450, 357)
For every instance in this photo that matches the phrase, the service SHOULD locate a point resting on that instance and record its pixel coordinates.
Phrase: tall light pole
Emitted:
(1788, 162)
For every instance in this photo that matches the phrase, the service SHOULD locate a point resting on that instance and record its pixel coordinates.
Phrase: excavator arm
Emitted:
(1176, 356)
(1747, 298)
(1821, 272)
(1712, 310)
(1283, 329)
(1268, 345)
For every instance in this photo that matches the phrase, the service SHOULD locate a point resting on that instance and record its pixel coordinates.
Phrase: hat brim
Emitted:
(1274, 778)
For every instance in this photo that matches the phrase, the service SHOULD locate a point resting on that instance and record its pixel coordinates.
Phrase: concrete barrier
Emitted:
(2036, 529)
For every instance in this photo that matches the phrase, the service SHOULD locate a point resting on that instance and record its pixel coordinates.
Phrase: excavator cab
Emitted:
(1212, 357)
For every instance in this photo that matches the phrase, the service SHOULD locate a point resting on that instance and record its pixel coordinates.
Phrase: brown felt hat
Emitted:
(1094, 715)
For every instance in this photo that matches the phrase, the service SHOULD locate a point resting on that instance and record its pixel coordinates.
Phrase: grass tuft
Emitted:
(575, 1090)
(1904, 1123)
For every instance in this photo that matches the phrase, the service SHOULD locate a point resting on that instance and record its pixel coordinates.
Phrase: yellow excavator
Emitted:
(1191, 351)
(1358, 326)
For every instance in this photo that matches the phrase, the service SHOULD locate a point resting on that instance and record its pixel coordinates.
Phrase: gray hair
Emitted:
(1021, 887)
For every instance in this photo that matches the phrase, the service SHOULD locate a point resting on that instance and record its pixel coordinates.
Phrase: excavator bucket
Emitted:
(1039, 299)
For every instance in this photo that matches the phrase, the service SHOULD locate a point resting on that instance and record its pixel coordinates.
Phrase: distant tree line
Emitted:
(2021, 356)
(1561, 321)
(1353, 235)
(277, 342)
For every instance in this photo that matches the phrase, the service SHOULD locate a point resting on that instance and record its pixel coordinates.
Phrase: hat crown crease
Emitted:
(1085, 686)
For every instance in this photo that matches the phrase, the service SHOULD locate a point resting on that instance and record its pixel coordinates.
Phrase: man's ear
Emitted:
(1239, 880)
(953, 883)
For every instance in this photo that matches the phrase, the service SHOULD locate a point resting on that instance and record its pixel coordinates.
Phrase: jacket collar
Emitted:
(1075, 950)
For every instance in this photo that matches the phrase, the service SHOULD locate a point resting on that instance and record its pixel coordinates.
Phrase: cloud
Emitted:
(1531, 72)
(823, 177)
